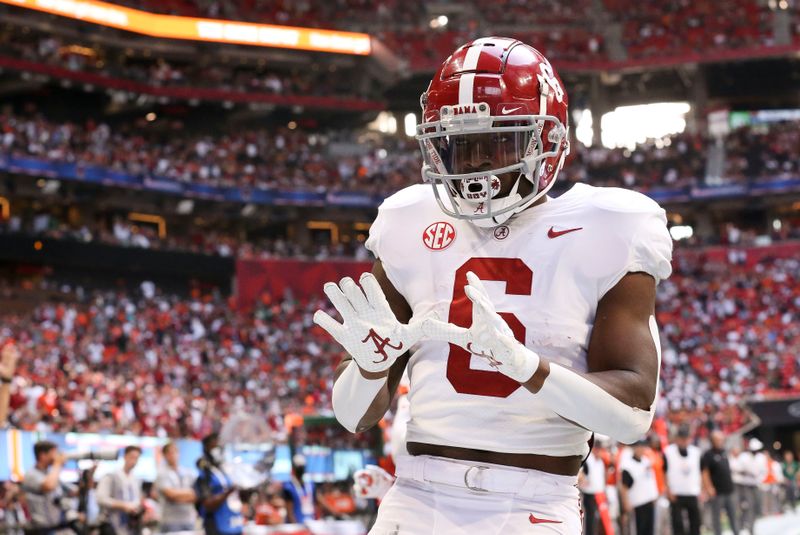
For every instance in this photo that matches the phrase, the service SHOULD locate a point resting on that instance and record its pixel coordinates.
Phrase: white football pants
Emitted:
(438, 496)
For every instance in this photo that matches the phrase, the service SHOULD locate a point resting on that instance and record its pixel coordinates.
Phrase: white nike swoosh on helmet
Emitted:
(506, 111)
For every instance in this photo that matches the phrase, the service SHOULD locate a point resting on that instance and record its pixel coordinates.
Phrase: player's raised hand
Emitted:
(371, 332)
(489, 336)
(9, 356)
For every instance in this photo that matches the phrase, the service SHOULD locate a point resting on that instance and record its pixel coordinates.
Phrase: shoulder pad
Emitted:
(409, 196)
(620, 200)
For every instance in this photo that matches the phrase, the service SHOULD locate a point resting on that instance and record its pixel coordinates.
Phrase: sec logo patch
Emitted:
(438, 235)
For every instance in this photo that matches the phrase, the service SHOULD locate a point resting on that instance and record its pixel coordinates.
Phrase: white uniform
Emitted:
(645, 488)
(595, 481)
(545, 271)
(683, 472)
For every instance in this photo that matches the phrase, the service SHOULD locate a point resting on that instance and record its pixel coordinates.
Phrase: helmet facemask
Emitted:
(469, 152)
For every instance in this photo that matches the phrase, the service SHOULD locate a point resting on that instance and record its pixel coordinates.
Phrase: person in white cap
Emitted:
(638, 489)
(748, 473)
(684, 478)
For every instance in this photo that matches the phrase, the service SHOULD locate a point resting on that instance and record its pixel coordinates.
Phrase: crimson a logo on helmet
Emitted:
(438, 236)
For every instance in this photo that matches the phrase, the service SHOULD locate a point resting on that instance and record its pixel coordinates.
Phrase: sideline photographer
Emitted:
(44, 492)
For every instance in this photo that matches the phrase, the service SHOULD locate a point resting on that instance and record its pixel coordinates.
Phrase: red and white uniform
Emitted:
(546, 271)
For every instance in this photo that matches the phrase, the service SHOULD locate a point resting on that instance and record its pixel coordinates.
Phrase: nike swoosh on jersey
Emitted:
(553, 233)
(506, 111)
(535, 520)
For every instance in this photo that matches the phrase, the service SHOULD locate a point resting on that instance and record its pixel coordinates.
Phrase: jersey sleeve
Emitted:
(642, 228)
(376, 230)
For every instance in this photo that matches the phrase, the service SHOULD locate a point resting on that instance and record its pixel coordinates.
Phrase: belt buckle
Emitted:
(478, 478)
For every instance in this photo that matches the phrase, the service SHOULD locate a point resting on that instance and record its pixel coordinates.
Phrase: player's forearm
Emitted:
(360, 400)
(597, 401)
(179, 495)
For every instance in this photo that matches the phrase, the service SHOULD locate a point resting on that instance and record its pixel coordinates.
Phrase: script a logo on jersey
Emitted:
(380, 344)
(438, 235)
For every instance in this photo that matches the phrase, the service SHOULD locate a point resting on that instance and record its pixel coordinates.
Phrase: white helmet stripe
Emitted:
(466, 83)
(465, 87)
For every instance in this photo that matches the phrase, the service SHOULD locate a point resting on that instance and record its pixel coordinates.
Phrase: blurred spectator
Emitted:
(175, 486)
(299, 493)
(682, 464)
(592, 482)
(9, 355)
(12, 509)
(791, 474)
(751, 470)
(638, 490)
(718, 483)
(87, 496)
(220, 506)
(119, 495)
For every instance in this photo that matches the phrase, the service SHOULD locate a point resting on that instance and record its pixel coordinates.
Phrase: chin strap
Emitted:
(499, 204)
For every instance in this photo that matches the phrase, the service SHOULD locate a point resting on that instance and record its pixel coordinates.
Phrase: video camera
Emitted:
(99, 455)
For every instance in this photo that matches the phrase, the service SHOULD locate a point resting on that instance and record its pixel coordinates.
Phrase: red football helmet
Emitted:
(495, 106)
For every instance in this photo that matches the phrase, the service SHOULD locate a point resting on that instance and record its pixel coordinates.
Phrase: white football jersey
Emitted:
(545, 271)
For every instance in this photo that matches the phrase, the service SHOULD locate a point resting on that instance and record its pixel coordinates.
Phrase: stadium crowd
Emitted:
(729, 330)
(120, 232)
(565, 31)
(763, 153)
(145, 361)
(154, 71)
(281, 158)
(688, 27)
(292, 159)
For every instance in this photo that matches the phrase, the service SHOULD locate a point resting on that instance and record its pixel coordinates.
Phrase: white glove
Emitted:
(372, 482)
(370, 333)
(489, 336)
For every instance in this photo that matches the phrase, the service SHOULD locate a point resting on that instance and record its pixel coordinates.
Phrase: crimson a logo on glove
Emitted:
(493, 362)
(380, 344)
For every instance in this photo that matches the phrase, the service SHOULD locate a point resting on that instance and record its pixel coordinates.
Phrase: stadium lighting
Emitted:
(385, 123)
(583, 130)
(628, 126)
(439, 22)
(681, 232)
(410, 124)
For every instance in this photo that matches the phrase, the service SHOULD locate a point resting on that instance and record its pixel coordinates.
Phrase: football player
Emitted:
(526, 322)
